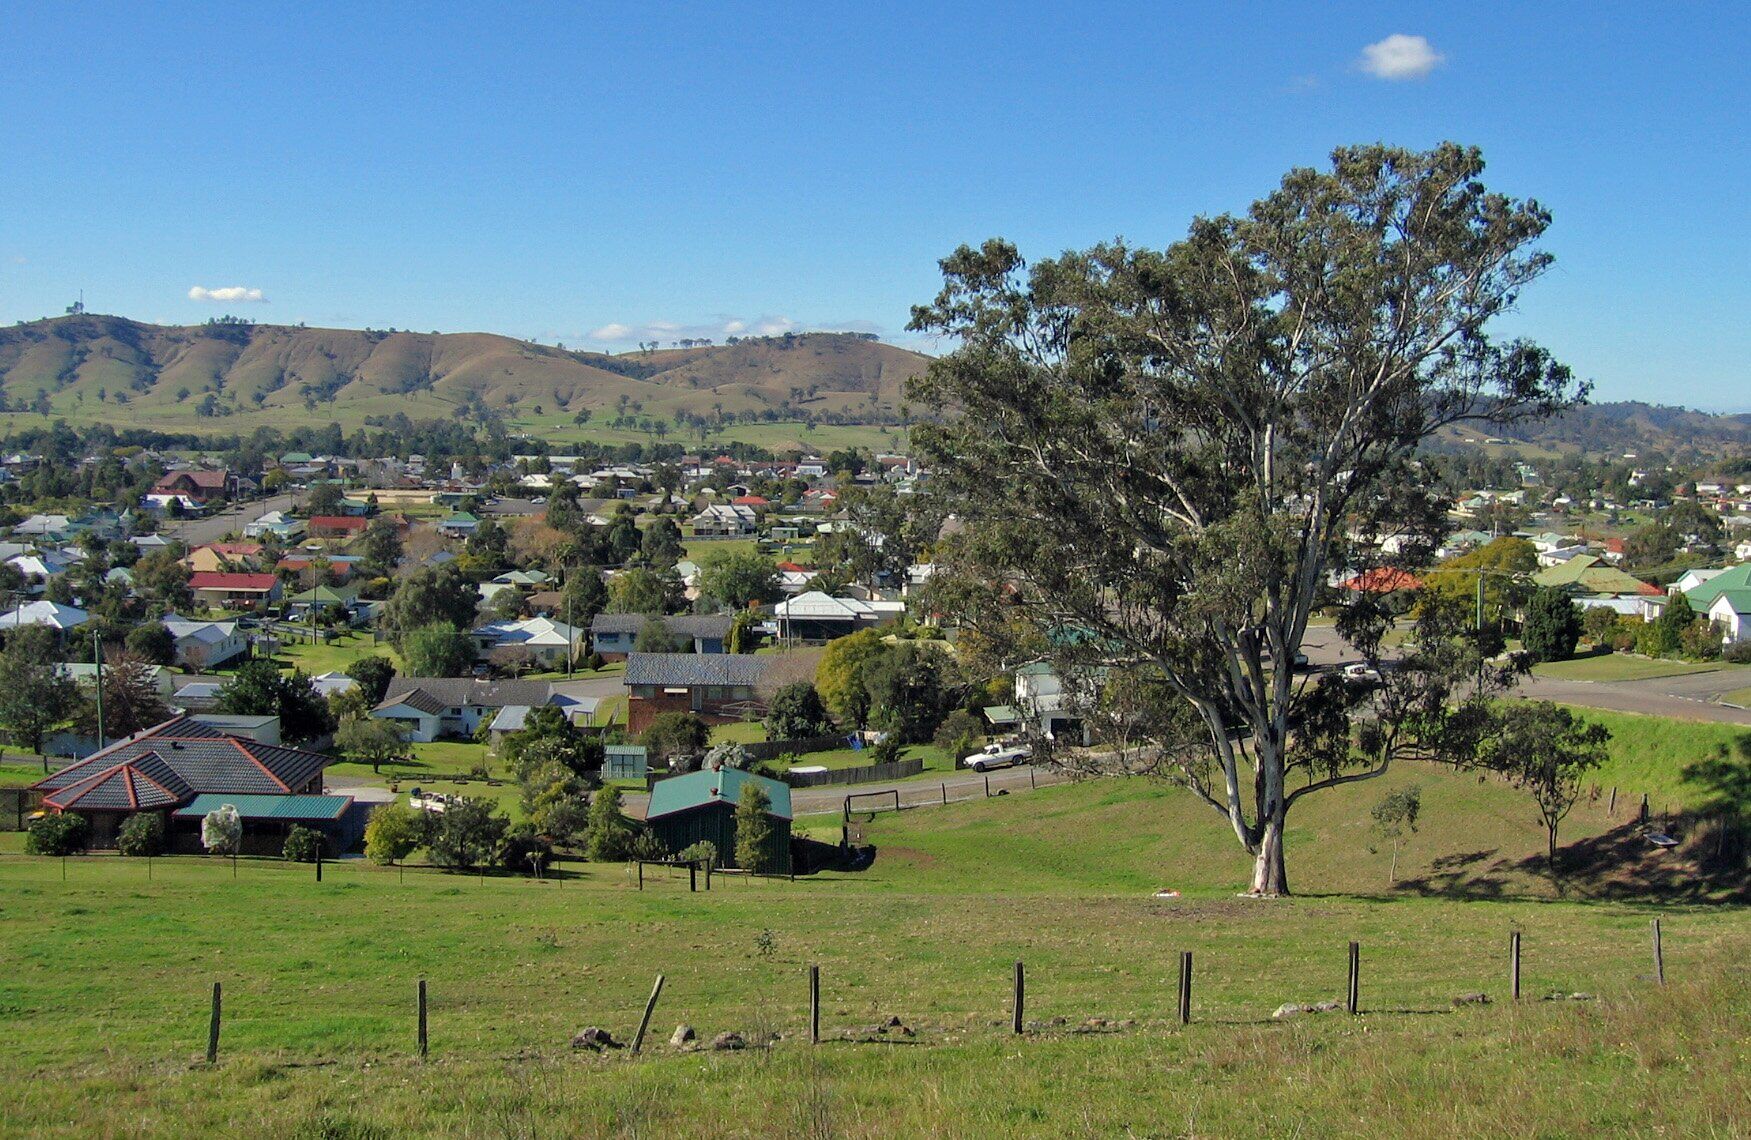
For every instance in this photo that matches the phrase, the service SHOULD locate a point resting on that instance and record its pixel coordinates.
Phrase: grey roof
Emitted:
(690, 670)
(681, 625)
(185, 757)
(433, 694)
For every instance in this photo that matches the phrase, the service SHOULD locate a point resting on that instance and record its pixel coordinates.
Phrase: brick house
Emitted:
(716, 687)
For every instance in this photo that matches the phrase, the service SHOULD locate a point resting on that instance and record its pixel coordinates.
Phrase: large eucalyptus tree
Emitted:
(1159, 459)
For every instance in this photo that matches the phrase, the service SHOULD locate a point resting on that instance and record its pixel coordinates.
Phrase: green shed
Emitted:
(702, 805)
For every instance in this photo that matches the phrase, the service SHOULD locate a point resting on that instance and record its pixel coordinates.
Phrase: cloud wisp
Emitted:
(226, 294)
(623, 332)
(1399, 57)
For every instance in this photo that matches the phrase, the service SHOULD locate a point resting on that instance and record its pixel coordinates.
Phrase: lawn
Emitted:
(333, 656)
(319, 985)
(1622, 667)
(1650, 754)
(701, 550)
(1740, 697)
(19, 774)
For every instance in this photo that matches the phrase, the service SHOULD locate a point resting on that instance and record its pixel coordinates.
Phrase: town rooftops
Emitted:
(691, 670)
(339, 522)
(234, 583)
(682, 625)
(722, 785)
(432, 695)
(1732, 578)
(51, 614)
(202, 757)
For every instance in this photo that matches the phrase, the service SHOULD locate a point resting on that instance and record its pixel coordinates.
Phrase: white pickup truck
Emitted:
(997, 755)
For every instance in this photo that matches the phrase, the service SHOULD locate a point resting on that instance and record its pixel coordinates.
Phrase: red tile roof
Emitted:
(749, 501)
(218, 580)
(338, 522)
(1384, 580)
(206, 480)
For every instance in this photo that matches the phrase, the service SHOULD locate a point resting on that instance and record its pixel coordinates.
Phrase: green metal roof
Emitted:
(269, 807)
(1732, 578)
(696, 789)
(1001, 714)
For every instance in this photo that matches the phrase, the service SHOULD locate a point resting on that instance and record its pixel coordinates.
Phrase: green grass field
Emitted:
(108, 974)
(1650, 754)
(1740, 697)
(1624, 667)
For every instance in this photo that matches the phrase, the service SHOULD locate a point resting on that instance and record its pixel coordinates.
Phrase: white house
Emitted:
(1732, 612)
(1040, 697)
(51, 614)
(1691, 579)
(427, 708)
(205, 644)
(725, 519)
(549, 642)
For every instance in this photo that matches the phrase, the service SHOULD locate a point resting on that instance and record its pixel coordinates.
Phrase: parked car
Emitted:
(996, 755)
(1362, 671)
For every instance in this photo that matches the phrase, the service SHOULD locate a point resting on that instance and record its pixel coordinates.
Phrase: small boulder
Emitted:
(683, 1035)
(1327, 1006)
(595, 1039)
(729, 1039)
(1291, 1009)
(1477, 998)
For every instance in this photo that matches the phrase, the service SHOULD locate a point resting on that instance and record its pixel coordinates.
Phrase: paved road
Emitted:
(913, 793)
(212, 528)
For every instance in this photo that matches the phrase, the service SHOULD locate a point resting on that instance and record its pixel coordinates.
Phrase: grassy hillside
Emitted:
(235, 377)
(108, 974)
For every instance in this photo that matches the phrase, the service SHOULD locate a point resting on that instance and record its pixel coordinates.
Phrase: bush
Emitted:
(595, 662)
(1700, 641)
(1739, 653)
(797, 713)
(610, 835)
(705, 851)
(648, 846)
(393, 833)
(467, 833)
(673, 734)
(303, 844)
(61, 833)
(142, 835)
(727, 755)
(522, 850)
(1553, 625)
(886, 750)
(958, 733)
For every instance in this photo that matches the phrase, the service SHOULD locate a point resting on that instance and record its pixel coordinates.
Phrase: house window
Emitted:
(455, 712)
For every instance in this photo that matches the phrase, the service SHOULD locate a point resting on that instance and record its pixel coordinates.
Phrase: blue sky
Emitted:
(599, 175)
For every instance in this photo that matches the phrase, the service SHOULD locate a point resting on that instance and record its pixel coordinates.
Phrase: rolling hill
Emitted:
(90, 367)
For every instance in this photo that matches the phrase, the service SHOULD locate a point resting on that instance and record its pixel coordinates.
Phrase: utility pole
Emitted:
(571, 631)
(97, 659)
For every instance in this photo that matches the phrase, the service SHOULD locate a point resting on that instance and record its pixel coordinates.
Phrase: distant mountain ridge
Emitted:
(86, 364)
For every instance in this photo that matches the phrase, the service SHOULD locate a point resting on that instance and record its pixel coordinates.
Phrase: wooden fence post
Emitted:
(1020, 995)
(1355, 995)
(1611, 809)
(422, 1031)
(1514, 965)
(945, 793)
(987, 787)
(641, 874)
(1185, 987)
(692, 876)
(319, 861)
(1659, 956)
(814, 1005)
(213, 1029)
(1030, 777)
(644, 1022)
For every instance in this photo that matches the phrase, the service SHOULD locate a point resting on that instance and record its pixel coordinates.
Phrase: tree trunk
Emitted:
(1269, 877)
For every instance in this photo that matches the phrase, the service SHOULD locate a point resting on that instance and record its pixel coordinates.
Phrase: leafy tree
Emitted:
(1599, 622)
(467, 833)
(437, 650)
(428, 596)
(744, 634)
(392, 833)
(1553, 625)
(1665, 633)
(524, 849)
(756, 841)
(642, 591)
(152, 643)
(381, 549)
(141, 835)
(131, 700)
(655, 637)
(370, 740)
(222, 830)
(796, 712)
(34, 697)
(1163, 455)
(324, 499)
(57, 833)
(1504, 564)
(661, 545)
(906, 692)
(302, 845)
(733, 578)
(1394, 815)
(373, 675)
(162, 576)
(1545, 749)
(839, 677)
(258, 688)
(959, 733)
(609, 834)
(673, 734)
(583, 596)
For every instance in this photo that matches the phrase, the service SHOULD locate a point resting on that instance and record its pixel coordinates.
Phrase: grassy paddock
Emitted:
(1624, 667)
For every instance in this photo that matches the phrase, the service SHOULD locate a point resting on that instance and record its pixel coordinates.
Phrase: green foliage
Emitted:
(907, 691)
(430, 596)
(583, 596)
(393, 832)
(467, 833)
(523, 849)
(728, 754)
(1553, 625)
(258, 688)
(57, 833)
(370, 740)
(839, 677)
(959, 733)
(1665, 634)
(131, 701)
(674, 734)
(704, 851)
(655, 637)
(610, 833)
(1600, 623)
(649, 846)
(733, 578)
(744, 635)
(373, 674)
(34, 697)
(796, 713)
(152, 643)
(222, 830)
(303, 844)
(644, 591)
(1545, 749)
(756, 839)
(661, 545)
(437, 650)
(382, 547)
(141, 835)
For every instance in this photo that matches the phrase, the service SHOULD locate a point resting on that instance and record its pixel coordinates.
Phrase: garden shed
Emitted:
(702, 805)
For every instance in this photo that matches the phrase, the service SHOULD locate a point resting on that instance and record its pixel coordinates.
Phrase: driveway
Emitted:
(917, 792)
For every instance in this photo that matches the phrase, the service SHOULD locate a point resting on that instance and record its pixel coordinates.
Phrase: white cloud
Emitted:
(1400, 57)
(621, 332)
(611, 333)
(225, 294)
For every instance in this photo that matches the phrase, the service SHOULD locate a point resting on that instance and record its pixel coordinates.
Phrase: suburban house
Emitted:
(275, 524)
(85, 674)
(219, 557)
(726, 520)
(337, 526)
(462, 524)
(549, 643)
(1731, 610)
(613, 635)
(717, 687)
(818, 617)
(205, 644)
(231, 591)
(52, 614)
(1594, 583)
(428, 708)
(1040, 698)
(702, 806)
(322, 599)
(1703, 594)
(171, 766)
(198, 487)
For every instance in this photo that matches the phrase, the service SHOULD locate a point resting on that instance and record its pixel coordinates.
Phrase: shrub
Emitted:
(522, 849)
(467, 833)
(755, 838)
(797, 713)
(958, 733)
(393, 833)
(886, 750)
(673, 734)
(609, 838)
(649, 846)
(1739, 653)
(142, 835)
(61, 833)
(595, 662)
(727, 755)
(1553, 625)
(303, 844)
(222, 830)
(705, 851)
